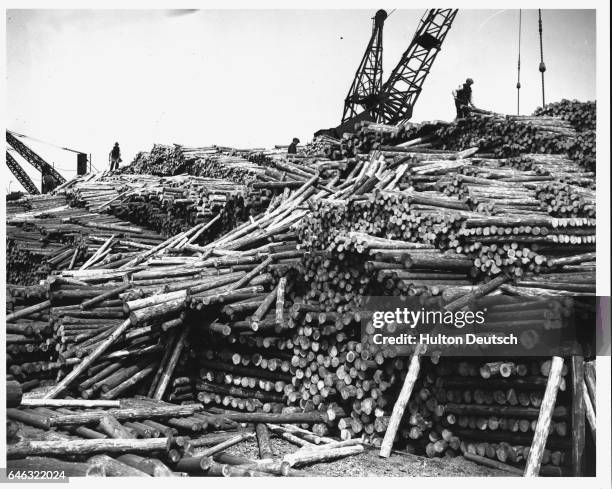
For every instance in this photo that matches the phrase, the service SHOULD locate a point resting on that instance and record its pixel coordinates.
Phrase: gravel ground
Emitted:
(369, 463)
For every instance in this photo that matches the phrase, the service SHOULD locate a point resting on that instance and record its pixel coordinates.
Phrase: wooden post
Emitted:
(534, 461)
(402, 401)
(590, 412)
(589, 378)
(578, 414)
(26, 311)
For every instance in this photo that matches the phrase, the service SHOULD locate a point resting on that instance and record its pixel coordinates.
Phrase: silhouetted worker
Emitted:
(293, 146)
(463, 98)
(48, 183)
(114, 157)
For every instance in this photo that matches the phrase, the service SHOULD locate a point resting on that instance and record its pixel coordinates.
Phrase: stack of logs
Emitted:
(562, 128)
(489, 409)
(167, 160)
(56, 237)
(265, 318)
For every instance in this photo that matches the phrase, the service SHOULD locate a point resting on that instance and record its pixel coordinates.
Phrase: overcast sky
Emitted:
(87, 78)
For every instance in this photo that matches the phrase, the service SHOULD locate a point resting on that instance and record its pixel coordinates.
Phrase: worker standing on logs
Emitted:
(114, 157)
(463, 98)
(48, 183)
(293, 146)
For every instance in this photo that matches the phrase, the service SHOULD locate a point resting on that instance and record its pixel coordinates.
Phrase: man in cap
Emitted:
(114, 157)
(463, 98)
(293, 146)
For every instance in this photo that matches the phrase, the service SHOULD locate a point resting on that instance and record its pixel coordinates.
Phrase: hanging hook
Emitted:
(542, 67)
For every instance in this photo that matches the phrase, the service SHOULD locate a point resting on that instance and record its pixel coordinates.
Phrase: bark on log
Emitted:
(532, 468)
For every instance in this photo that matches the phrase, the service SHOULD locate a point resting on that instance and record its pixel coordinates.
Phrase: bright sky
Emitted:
(84, 79)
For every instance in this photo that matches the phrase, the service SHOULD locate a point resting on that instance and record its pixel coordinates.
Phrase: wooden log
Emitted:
(590, 412)
(162, 364)
(494, 464)
(278, 418)
(70, 403)
(86, 362)
(480, 291)
(169, 369)
(13, 393)
(335, 444)
(302, 457)
(274, 467)
(263, 308)
(578, 414)
(589, 378)
(208, 439)
(401, 402)
(115, 468)
(209, 452)
(140, 412)
(194, 464)
(290, 437)
(109, 425)
(534, 461)
(263, 441)
(88, 304)
(86, 447)
(28, 417)
(150, 466)
(153, 300)
(129, 383)
(140, 316)
(559, 412)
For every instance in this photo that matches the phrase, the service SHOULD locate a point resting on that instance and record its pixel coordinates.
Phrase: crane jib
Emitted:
(393, 101)
(32, 158)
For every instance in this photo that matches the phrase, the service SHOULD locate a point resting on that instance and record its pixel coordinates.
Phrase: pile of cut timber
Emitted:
(264, 316)
(563, 128)
(53, 236)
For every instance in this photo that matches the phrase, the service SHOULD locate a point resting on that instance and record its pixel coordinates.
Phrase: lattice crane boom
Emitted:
(367, 83)
(394, 101)
(32, 158)
(23, 178)
(403, 87)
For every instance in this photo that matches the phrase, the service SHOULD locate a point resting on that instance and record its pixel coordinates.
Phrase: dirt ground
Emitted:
(369, 463)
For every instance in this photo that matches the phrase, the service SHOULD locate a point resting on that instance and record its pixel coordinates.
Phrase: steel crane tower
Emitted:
(31, 157)
(403, 87)
(21, 176)
(367, 83)
(393, 102)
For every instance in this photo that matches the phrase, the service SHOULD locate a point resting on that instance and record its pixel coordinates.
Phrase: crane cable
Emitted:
(542, 67)
(518, 68)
